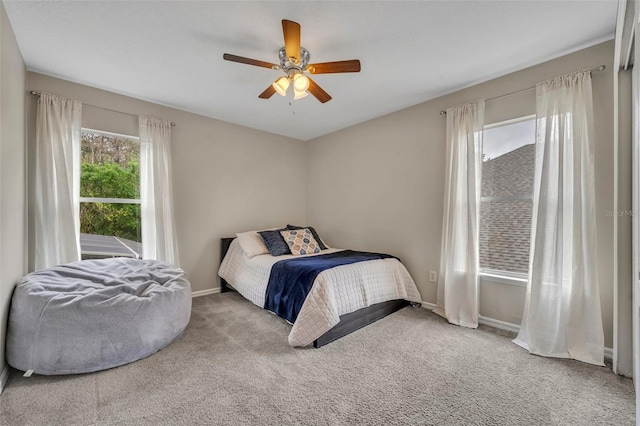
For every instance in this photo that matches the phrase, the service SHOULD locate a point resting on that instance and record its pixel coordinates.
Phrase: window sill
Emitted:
(519, 280)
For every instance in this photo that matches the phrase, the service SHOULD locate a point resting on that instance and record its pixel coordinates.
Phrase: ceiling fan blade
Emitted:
(352, 65)
(248, 61)
(268, 92)
(291, 31)
(317, 91)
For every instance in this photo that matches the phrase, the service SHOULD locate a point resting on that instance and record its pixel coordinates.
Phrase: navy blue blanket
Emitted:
(291, 279)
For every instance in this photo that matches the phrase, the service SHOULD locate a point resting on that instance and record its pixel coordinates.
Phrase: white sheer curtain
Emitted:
(57, 181)
(457, 298)
(562, 316)
(156, 194)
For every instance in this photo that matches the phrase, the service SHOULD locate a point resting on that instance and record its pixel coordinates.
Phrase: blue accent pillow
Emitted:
(313, 231)
(275, 242)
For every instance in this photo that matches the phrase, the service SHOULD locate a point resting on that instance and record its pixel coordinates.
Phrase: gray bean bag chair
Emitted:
(95, 314)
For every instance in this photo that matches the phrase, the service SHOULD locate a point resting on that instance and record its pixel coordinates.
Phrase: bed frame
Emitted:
(348, 322)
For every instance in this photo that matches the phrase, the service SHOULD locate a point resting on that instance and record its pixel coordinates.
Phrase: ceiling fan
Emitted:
(294, 62)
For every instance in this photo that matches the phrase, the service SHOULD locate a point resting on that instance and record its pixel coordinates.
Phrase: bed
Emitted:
(341, 299)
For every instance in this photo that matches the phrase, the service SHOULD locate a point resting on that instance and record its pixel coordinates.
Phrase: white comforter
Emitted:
(336, 291)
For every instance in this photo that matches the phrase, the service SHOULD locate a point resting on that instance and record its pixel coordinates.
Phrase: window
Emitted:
(109, 195)
(508, 161)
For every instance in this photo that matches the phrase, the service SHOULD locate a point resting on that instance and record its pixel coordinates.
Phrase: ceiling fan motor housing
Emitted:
(289, 64)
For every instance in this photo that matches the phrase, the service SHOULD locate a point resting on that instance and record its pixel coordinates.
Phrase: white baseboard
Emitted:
(205, 292)
(4, 376)
(503, 325)
(428, 305)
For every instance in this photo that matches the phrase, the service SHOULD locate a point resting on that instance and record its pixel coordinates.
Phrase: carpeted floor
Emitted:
(233, 366)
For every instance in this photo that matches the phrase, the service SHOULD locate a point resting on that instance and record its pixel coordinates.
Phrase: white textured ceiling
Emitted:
(171, 52)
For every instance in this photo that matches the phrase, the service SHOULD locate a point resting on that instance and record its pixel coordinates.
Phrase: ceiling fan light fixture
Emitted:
(281, 85)
(297, 94)
(300, 82)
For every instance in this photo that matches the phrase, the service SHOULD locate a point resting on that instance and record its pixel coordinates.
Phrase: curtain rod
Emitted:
(34, 93)
(597, 69)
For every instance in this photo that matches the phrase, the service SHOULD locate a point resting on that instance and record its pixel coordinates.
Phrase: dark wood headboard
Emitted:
(224, 248)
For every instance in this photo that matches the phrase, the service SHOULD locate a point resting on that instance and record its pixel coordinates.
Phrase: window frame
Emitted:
(519, 279)
(110, 200)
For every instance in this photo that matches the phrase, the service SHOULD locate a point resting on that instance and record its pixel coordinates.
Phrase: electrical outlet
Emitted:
(433, 276)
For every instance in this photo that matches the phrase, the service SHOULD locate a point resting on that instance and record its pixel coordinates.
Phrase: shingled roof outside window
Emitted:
(505, 209)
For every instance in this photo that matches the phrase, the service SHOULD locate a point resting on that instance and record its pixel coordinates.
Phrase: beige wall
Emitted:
(12, 172)
(227, 178)
(379, 185)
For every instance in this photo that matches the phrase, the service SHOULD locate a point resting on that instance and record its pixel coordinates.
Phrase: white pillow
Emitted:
(252, 243)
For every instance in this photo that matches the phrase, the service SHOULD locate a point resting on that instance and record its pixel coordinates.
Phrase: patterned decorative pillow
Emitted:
(321, 243)
(275, 243)
(300, 241)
